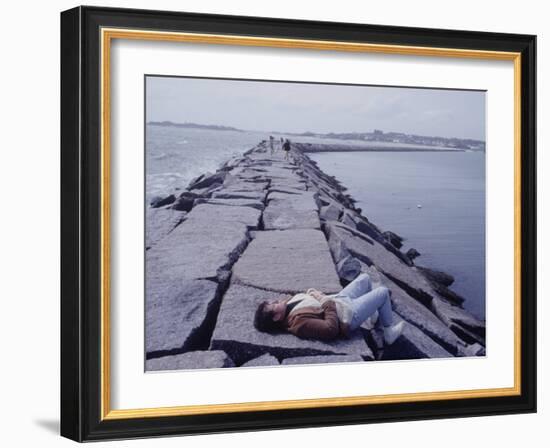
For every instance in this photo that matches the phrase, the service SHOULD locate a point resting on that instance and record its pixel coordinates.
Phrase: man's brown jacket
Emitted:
(315, 322)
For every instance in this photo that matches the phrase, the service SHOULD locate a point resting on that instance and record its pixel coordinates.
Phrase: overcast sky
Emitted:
(323, 108)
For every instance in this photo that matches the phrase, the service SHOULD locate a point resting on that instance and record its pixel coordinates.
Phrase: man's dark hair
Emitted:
(263, 319)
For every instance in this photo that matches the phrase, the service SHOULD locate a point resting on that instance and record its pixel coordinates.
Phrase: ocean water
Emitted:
(436, 201)
(174, 156)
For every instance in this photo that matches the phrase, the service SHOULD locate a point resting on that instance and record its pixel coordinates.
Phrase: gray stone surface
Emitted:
(216, 217)
(236, 335)
(192, 251)
(348, 268)
(286, 190)
(159, 223)
(264, 360)
(291, 211)
(288, 261)
(414, 344)
(190, 360)
(279, 184)
(259, 205)
(162, 201)
(344, 240)
(177, 314)
(460, 321)
(330, 212)
(475, 349)
(180, 302)
(230, 194)
(420, 316)
(323, 359)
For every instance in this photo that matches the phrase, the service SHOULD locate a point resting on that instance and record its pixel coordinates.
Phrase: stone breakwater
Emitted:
(260, 227)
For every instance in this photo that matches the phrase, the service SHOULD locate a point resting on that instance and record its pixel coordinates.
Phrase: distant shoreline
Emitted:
(403, 142)
(327, 147)
(170, 124)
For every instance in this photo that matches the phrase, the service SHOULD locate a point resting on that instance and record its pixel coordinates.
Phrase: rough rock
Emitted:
(437, 276)
(345, 241)
(243, 185)
(229, 194)
(421, 317)
(291, 211)
(393, 239)
(211, 359)
(474, 349)
(264, 360)
(330, 212)
(413, 344)
(207, 180)
(236, 335)
(286, 190)
(161, 202)
(214, 216)
(259, 205)
(288, 261)
(460, 321)
(185, 201)
(348, 268)
(177, 314)
(197, 248)
(159, 223)
(412, 253)
(323, 359)
(347, 219)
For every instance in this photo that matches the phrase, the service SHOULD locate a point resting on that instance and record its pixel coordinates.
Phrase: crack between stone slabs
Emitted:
(247, 351)
(201, 338)
(452, 349)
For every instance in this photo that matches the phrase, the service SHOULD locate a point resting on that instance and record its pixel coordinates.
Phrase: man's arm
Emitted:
(324, 329)
(316, 294)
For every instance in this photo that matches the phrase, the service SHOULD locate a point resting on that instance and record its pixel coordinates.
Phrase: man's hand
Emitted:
(316, 294)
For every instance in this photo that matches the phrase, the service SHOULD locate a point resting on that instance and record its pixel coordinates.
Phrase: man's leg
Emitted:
(359, 286)
(367, 304)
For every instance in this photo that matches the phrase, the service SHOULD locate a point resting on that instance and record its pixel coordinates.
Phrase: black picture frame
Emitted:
(81, 288)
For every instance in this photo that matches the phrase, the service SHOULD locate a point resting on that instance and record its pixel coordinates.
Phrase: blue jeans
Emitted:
(365, 301)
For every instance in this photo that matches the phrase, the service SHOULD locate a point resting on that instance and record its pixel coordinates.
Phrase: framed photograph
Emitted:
(273, 223)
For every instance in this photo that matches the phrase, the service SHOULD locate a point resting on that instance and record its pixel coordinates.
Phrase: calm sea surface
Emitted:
(436, 201)
(448, 230)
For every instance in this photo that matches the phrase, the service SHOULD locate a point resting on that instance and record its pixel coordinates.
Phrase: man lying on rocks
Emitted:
(314, 315)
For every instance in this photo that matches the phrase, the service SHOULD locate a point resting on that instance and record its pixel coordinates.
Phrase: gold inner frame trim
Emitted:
(107, 35)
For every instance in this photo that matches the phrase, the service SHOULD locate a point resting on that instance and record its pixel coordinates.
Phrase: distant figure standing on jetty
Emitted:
(271, 140)
(286, 148)
(314, 315)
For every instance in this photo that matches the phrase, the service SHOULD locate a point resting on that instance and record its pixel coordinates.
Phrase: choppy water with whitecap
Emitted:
(174, 156)
(448, 228)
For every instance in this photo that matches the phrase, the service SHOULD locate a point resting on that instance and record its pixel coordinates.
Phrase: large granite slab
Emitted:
(254, 203)
(262, 361)
(288, 261)
(460, 321)
(213, 217)
(159, 223)
(203, 359)
(413, 344)
(322, 359)
(291, 211)
(178, 314)
(192, 251)
(236, 335)
(420, 316)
